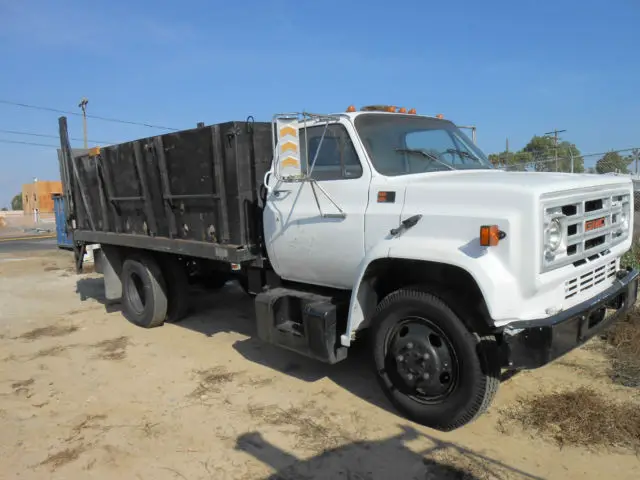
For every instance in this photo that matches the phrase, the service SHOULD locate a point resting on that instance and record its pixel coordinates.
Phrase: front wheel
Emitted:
(429, 365)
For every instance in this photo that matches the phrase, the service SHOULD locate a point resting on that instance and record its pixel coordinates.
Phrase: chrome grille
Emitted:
(589, 279)
(591, 224)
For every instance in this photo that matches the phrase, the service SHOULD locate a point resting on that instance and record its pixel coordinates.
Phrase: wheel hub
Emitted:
(423, 359)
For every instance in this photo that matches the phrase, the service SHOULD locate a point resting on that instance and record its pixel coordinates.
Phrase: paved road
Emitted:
(23, 244)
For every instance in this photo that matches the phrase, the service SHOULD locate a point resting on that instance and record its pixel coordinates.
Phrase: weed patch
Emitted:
(581, 417)
(622, 346)
(50, 331)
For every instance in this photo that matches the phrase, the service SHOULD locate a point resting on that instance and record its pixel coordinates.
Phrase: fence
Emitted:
(613, 162)
(15, 222)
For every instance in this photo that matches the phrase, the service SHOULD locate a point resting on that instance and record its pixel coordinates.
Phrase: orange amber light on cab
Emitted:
(489, 235)
(351, 108)
(402, 110)
(440, 116)
(412, 111)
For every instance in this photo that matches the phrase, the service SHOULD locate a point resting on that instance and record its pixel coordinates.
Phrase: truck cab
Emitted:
(440, 253)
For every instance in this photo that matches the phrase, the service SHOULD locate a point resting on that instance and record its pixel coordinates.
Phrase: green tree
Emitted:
(543, 152)
(613, 162)
(514, 161)
(5, 209)
(16, 202)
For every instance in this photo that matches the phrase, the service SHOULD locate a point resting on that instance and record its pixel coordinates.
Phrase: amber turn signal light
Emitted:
(351, 108)
(490, 235)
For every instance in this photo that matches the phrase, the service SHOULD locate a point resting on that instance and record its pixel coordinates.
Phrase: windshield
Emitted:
(406, 144)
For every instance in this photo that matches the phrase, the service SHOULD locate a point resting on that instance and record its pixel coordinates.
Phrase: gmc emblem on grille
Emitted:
(594, 224)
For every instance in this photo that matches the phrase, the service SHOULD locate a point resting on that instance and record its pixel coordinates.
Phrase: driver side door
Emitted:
(308, 239)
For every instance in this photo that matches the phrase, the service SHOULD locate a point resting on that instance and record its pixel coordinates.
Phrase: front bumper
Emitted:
(534, 343)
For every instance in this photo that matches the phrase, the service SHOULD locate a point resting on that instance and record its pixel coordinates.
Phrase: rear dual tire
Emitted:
(144, 292)
(154, 292)
(429, 365)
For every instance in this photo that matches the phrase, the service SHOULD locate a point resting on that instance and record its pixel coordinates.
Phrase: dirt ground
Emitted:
(85, 394)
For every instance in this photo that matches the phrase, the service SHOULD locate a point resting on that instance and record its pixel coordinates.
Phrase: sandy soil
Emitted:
(85, 394)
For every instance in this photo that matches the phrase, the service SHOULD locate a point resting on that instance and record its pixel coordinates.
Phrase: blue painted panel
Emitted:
(64, 240)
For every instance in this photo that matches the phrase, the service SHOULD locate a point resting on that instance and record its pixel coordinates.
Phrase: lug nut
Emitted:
(409, 345)
(425, 376)
(426, 356)
(399, 358)
(409, 376)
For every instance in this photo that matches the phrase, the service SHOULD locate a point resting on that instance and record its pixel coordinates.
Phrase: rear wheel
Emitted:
(429, 365)
(144, 298)
(177, 282)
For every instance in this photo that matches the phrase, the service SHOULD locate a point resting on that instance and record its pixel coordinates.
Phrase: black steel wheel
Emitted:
(144, 298)
(421, 360)
(430, 366)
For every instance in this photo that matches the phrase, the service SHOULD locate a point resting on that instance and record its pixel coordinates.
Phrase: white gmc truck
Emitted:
(377, 220)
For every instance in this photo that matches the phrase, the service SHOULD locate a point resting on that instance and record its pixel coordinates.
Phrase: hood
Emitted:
(532, 182)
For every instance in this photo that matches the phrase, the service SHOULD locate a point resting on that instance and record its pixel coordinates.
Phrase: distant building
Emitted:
(37, 195)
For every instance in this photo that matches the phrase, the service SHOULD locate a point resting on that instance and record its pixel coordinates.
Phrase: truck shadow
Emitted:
(231, 310)
(381, 459)
(93, 289)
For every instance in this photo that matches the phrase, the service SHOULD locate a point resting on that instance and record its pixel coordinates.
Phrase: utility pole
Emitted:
(571, 153)
(83, 105)
(506, 151)
(555, 142)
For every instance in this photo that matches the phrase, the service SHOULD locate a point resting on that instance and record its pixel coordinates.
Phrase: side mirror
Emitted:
(287, 164)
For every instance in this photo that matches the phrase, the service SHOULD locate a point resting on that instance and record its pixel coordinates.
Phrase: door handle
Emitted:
(406, 224)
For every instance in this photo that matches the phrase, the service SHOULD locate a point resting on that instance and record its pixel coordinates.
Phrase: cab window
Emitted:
(337, 158)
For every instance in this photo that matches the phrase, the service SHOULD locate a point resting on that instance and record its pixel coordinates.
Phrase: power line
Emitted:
(96, 117)
(44, 135)
(2, 140)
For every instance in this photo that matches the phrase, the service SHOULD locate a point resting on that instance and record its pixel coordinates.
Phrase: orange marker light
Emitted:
(351, 108)
(439, 115)
(490, 235)
(402, 110)
(391, 109)
(412, 111)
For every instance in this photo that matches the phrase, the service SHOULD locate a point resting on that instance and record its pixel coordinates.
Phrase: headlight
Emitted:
(553, 235)
(624, 217)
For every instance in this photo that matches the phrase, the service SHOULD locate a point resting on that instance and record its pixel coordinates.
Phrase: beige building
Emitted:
(38, 195)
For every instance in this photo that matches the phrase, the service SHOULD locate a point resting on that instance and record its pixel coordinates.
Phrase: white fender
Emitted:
(485, 268)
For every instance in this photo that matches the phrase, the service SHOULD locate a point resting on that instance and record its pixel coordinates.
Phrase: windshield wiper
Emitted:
(428, 155)
(462, 153)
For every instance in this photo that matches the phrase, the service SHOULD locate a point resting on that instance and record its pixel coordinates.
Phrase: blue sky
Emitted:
(514, 69)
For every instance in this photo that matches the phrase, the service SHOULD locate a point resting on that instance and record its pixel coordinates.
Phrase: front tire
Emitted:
(144, 298)
(434, 370)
